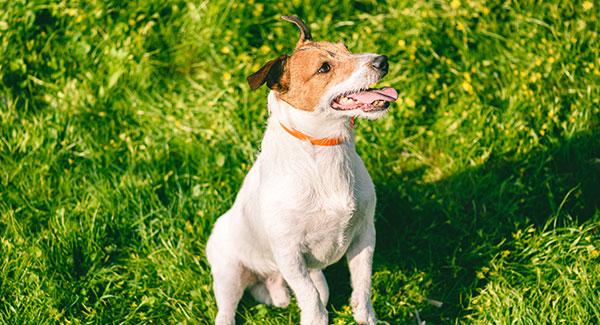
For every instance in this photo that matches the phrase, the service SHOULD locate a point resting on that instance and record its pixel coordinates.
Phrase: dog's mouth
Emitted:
(367, 100)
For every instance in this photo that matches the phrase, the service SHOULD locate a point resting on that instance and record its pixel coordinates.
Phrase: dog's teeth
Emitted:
(345, 100)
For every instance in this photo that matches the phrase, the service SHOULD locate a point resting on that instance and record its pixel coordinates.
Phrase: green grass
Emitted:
(126, 130)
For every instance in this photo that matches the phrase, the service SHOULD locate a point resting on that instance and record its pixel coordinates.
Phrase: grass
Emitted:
(127, 128)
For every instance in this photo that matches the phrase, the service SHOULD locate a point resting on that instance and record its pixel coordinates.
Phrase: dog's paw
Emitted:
(280, 295)
(319, 318)
(281, 302)
(365, 318)
(224, 320)
(363, 314)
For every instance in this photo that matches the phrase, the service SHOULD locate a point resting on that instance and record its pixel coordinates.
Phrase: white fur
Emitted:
(300, 209)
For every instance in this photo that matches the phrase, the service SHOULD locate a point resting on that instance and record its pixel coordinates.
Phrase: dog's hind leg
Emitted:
(278, 290)
(272, 291)
(229, 283)
(260, 293)
(230, 276)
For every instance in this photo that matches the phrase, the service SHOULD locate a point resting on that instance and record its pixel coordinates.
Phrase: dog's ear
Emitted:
(305, 35)
(271, 73)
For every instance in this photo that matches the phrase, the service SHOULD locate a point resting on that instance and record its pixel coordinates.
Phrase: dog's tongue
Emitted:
(387, 94)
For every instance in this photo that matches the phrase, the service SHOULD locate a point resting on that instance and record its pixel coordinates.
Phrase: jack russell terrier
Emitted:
(308, 200)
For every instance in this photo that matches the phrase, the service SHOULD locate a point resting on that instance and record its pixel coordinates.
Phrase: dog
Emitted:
(308, 200)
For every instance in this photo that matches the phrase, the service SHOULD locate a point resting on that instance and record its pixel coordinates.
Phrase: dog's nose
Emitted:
(381, 63)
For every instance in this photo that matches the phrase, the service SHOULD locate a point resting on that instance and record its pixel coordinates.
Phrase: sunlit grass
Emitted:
(127, 128)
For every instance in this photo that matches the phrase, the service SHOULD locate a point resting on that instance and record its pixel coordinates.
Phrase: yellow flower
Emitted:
(455, 4)
(226, 76)
(188, 226)
(551, 60)
(409, 102)
(587, 5)
(467, 87)
(264, 49)
(402, 43)
(258, 9)
(485, 10)
(225, 50)
(460, 26)
(533, 78)
(244, 57)
(71, 12)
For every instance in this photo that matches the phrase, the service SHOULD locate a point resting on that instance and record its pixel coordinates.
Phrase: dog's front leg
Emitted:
(360, 258)
(293, 268)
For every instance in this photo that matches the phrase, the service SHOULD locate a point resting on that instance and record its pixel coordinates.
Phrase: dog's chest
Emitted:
(328, 239)
(340, 198)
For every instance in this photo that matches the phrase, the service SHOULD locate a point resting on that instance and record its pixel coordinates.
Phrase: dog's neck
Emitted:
(329, 167)
(315, 124)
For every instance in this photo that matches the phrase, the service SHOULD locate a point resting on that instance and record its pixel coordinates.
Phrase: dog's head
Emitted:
(327, 77)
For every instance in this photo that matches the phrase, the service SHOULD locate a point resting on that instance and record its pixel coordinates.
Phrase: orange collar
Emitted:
(326, 142)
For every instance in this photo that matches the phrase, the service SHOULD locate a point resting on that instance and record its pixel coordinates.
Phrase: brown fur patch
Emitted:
(272, 73)
(305, 85)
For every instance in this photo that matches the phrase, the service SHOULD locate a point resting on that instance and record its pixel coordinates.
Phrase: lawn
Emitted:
(126, 129)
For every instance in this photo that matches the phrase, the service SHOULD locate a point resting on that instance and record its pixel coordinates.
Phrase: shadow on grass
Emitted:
(451, 228)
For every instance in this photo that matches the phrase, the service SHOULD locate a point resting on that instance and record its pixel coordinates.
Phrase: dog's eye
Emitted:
(325, 67)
